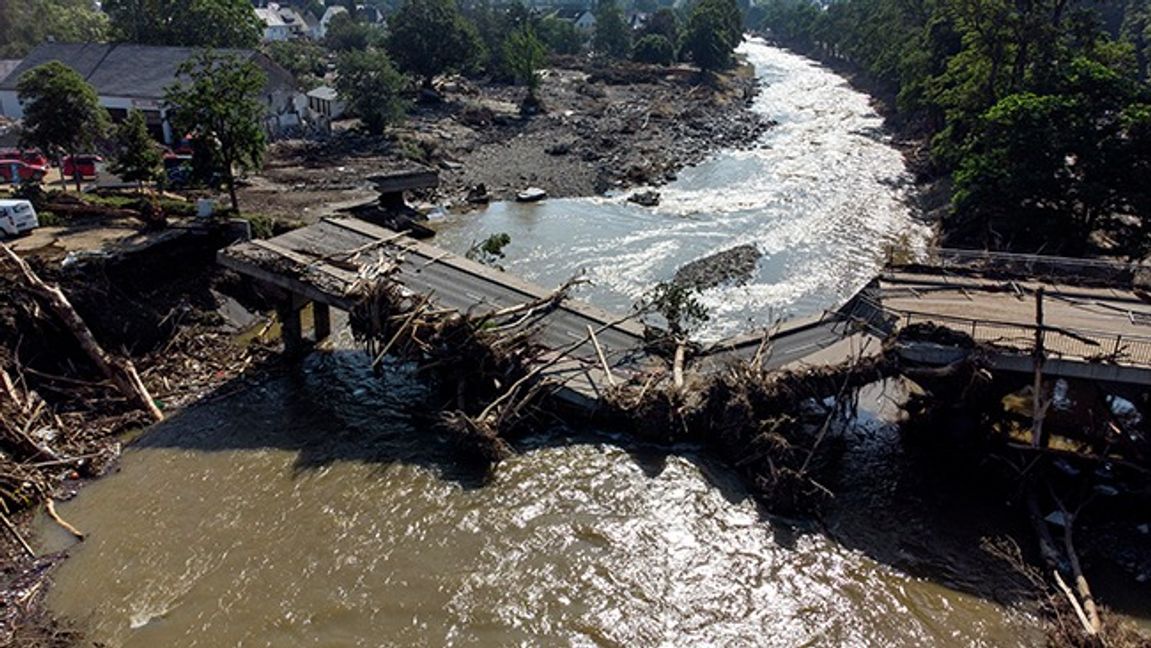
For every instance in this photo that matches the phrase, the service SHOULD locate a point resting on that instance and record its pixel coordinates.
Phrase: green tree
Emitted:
(430, 37)
(304, 59)
(138, 158)
(526, 55)
(62, 113)
(712, 34)
(220, 105)
(654, 48)
(612, 35)
(372, 87)
(560, 36)
(191, 23)
(346, 34)
(664, 22)
(24, 24)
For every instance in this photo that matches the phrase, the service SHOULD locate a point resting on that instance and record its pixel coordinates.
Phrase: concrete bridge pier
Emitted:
(289, 310)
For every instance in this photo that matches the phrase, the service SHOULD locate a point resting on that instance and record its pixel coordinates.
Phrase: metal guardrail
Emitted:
(1034, 266)
(1068, 343)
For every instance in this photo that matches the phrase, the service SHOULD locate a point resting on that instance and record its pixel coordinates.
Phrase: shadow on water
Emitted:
(331, 408)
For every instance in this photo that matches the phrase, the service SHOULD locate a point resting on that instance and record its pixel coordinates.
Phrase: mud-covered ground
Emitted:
(600, 129)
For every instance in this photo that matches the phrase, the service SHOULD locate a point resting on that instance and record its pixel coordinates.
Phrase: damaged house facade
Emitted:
(129, 76)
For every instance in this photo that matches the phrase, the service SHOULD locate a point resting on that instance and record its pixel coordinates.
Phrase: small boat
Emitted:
(531, 194)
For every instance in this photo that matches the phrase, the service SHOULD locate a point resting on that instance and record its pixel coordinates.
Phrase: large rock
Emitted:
(733, 266)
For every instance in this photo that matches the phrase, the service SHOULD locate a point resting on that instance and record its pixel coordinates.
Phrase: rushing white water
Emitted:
(821, 196)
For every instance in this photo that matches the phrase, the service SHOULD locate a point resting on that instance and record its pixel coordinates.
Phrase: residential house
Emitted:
(128, 76)
(582, 19)
(324, 105)
(282, 23)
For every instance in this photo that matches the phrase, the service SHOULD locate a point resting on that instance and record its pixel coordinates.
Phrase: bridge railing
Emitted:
(1032, 266)
(1070, 343)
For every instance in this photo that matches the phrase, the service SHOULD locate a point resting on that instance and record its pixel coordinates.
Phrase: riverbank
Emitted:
(163, 304)
(601, 129)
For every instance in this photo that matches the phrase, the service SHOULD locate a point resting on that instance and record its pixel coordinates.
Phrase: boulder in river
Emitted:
(645, 198)
(732, 266)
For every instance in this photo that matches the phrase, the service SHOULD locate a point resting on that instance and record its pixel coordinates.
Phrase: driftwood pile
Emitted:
(771, 425)
(486, 361)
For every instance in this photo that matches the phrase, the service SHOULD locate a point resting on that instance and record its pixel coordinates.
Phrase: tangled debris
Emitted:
(770, 425)
(487, 360)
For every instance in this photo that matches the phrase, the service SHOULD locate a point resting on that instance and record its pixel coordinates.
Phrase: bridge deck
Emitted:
(321, 263)
(1083, 324)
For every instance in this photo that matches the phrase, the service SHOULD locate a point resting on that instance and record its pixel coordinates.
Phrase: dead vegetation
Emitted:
(88, 353)
(487, 361)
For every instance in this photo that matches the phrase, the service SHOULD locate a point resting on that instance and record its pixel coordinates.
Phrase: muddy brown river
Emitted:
(317, 507)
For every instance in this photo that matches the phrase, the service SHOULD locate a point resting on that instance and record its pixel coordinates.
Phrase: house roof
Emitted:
(332, 12)
(7, 66)
(324, 92)
(270, 17)
(135, 71)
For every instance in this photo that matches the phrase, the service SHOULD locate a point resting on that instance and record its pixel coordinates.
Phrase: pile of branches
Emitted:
(485, 358)
(771, 425)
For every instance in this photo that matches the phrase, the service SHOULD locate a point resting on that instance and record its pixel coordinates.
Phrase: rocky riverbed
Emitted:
(599, 130)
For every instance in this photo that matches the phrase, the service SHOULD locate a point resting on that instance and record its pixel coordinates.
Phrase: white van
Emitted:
(17, 217)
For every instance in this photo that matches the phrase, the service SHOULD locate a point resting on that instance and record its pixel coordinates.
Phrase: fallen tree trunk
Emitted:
(120, 370)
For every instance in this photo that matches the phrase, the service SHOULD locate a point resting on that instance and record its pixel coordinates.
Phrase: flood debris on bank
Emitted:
(93, 347)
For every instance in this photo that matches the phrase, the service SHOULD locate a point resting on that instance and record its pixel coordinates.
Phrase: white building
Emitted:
(135, 76)
(586, 22)
(324, 105)
(275, 27)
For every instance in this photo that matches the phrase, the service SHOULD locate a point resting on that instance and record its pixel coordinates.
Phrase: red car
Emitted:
(84, 164)
(30, 156)
(17, 171)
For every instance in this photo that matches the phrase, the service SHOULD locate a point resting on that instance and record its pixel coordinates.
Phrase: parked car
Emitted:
(85, 164)
(17, 217)
(29, 156)
(15, 172)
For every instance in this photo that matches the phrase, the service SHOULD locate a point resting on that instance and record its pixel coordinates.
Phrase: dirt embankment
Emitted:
(600, 129)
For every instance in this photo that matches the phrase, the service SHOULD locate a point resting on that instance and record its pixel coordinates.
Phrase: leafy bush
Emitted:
(654, 48)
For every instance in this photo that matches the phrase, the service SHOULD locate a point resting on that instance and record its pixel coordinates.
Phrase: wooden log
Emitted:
(50, 506)
(120, 370)
(16, 534)
(602, 358)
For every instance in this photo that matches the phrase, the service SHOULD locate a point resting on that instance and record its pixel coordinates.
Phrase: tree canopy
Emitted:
(431, 37)
(714, 30)
(24, 24)
(654, 48)
(138, 157)
(191, 23)
(62, 112)
(612, 35)
(346, 34)
(1037, 111)
(526, 55)
(220, 106)
(372, 87)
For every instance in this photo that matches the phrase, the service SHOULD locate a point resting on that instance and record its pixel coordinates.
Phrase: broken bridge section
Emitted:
(320, 264)
(1085, 318)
